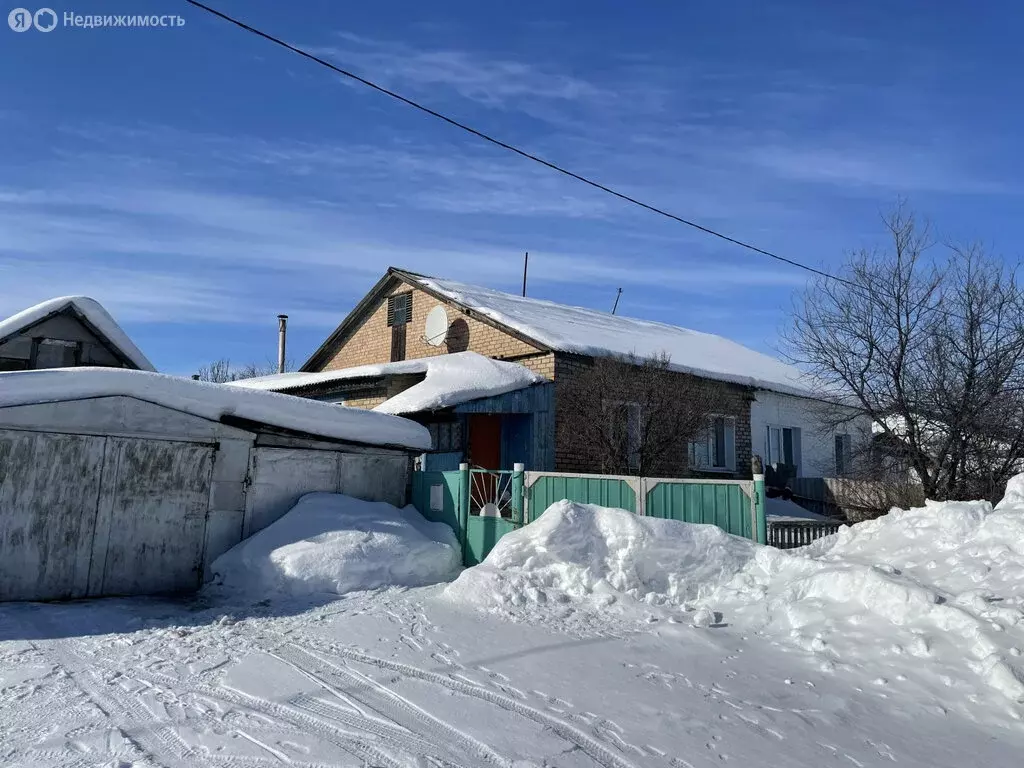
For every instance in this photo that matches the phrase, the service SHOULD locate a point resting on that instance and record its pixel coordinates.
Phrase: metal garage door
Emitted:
(280, 476)
(49, 486)
(83, 515)
(154, 509)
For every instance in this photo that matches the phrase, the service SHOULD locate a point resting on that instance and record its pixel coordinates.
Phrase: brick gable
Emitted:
(370, 342)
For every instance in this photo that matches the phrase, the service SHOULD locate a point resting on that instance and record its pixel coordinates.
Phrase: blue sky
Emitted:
(199, 180)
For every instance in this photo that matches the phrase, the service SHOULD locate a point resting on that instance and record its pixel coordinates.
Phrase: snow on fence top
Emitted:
(450, 380)
(92, 311)
(599, 334)
(213, 401)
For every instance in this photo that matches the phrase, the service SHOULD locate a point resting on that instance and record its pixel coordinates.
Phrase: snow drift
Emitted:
(597, 555)
(941, 585)
(330, 543)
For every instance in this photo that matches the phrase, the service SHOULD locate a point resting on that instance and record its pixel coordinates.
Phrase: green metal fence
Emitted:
(736, 506)
(511, 499)
(725, 504)
(546, 488)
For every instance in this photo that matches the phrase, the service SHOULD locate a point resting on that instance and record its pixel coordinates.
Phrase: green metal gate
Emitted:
(448, 497)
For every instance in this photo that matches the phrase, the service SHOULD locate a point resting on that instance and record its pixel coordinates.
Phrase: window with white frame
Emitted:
(715, 448)
(844, 455)
(783, 445)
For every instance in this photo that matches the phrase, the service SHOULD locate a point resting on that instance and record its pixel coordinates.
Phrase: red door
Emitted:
(485, 441)
(485, 453)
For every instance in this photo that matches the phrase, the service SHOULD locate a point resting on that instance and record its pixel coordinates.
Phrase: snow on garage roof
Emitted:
(213, 401)
(92, 311)
(599, 334)
(450, 380)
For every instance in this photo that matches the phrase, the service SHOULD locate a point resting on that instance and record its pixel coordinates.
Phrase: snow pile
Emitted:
(213, 401)
(943, 583)
(88, 309)
(599, 556)
(939, 588)
(589, 332)
(449, 380)
(330, 543)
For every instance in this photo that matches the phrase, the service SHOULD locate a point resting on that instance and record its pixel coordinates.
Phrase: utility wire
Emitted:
(537, 159)
(512, 148)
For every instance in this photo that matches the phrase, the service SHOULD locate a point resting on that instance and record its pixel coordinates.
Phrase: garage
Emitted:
(117, 482)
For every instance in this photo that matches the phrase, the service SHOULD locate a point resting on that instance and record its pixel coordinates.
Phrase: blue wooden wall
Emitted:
(538, 401)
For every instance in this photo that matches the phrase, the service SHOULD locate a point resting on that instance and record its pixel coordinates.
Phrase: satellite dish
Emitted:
(435, 330)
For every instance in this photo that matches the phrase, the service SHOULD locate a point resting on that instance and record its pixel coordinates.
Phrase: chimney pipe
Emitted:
(282, 336)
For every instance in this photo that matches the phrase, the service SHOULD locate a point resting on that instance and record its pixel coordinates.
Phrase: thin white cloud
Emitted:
(489, 81)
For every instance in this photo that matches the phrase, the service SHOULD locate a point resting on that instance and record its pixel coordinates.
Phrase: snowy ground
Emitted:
(407, 679)
(561, 659)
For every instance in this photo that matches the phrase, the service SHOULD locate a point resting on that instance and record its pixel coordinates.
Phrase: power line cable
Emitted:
(512, 148)
(537, 159)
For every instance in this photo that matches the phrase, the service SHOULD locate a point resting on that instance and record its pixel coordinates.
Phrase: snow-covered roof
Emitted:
(599, 334)
(213, 401)
(88, 308)
(450, 380)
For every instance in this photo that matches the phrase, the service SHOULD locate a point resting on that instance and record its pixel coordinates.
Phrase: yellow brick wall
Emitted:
(371, 401)
(371, 342)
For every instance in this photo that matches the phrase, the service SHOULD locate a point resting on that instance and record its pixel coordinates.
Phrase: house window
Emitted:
(715, 448)
(446, 437)
(844, 455)
(783, 445)
(399, 316)
(55, 353)
(400, 309)
(13, 364)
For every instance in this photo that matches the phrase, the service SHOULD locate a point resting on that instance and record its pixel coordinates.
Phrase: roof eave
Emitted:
(414, 280)
(318, 357)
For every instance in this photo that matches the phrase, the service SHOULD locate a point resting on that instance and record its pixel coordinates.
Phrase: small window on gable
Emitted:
(400, 309)
(56, 353)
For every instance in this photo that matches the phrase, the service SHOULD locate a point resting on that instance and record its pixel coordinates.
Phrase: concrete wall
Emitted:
(119, 496)
(817, 439)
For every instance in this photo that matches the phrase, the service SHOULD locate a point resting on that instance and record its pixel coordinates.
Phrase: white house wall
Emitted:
(817, 441)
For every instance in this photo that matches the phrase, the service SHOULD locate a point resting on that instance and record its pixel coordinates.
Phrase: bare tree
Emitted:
(931, 348)
(633, 416)
(220, 371)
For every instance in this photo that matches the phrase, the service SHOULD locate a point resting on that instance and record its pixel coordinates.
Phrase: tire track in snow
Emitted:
(162, 745)
(585, 743)
(346, 740)
(383, 700)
